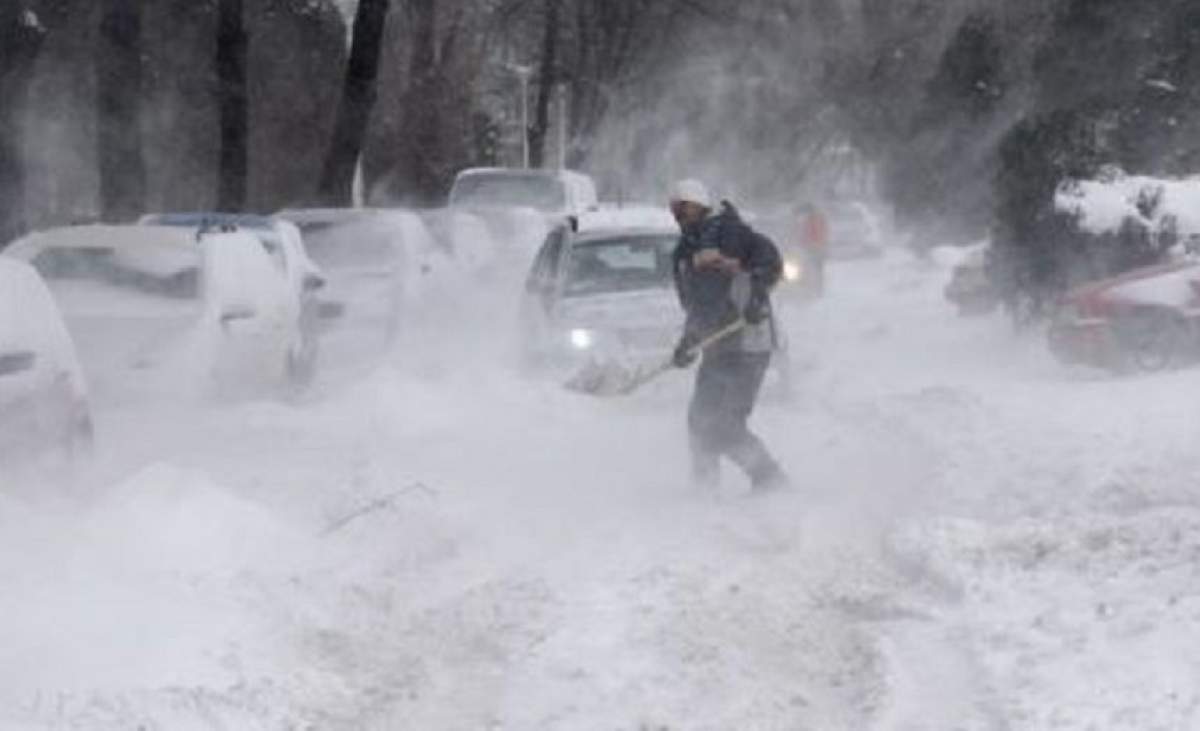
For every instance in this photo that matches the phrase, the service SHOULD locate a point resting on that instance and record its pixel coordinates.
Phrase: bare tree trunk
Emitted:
(118, 119)
(20, 39)
(354, 111)
(232, 102)
(423, 106)
(547, 78)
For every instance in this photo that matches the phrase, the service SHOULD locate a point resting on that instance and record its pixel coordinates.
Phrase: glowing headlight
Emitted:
(792, 270)
(582, 339)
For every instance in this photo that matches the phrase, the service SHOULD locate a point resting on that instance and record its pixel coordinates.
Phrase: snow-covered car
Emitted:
(283, 242)
(970, 288)
(518, 206)
(379, 263)
(43, 399)
(855, 231)
(1147, 319)
(555, 194)
(168, 307)
(603, 293)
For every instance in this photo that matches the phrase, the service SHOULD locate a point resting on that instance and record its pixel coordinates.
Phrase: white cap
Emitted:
(691, 190)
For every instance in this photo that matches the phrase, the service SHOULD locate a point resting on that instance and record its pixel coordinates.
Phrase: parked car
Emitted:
(970, 287)
(168, 306)
(283, 242)
(604, 289)
(1147, 319)
(601, 292)
(378, 263)
(554, 193)
(855, 232)
(44, 402)
(361, 255)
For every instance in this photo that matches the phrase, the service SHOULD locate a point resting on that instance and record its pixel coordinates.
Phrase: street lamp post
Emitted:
(562, 126)
(523, 73)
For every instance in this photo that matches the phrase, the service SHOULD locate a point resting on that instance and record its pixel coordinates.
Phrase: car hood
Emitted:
(636, 310)
(1139, 284)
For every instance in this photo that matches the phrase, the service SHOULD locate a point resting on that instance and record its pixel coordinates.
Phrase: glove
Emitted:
(684, 356)
(758, 309)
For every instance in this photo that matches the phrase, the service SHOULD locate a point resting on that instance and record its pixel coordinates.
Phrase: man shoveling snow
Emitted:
(724, 272)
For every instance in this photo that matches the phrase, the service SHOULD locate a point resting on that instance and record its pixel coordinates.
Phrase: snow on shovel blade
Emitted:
(613, 378)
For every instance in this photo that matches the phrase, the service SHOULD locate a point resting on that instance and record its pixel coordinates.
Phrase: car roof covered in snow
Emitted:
(305, 217)
(521, 172)
(201, 219)
(618, 234)
(645, 217)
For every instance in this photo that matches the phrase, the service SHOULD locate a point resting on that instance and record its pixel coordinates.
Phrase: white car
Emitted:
(283, 241)
(380, 265)
(505, 196)
(603, 288)
(168, 307)
(43, 399)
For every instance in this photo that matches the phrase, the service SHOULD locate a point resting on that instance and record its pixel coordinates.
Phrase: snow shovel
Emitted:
(614, 379)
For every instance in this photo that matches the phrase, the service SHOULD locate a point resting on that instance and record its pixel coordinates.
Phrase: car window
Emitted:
(619, 264)
(166, 273)
(351, 245)
(545, 265)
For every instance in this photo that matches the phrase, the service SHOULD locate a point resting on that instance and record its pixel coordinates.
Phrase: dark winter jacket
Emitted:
(713, 298)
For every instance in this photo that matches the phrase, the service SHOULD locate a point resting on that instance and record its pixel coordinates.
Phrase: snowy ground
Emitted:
(978, 539)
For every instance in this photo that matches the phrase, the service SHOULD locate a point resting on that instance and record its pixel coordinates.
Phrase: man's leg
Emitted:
(744, 373)
(704, 417)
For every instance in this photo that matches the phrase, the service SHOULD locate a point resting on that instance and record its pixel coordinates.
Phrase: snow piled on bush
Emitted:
(1106, 204)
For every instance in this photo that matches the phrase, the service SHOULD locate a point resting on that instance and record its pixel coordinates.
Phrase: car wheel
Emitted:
(1155, 341)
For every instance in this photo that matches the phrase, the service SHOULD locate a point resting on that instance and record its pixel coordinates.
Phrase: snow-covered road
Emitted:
(978, 538)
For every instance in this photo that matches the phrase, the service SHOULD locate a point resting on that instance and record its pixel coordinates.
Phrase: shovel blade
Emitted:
(611, 378)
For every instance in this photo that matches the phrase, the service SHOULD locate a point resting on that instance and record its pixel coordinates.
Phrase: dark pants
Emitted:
(727, 386)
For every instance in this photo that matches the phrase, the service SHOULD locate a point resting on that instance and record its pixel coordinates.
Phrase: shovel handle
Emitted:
(717, 336)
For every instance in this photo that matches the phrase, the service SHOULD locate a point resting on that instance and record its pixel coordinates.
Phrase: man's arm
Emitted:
(764, 262)
(679, 274)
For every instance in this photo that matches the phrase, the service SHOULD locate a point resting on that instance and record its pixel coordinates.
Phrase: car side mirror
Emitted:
(573, 223)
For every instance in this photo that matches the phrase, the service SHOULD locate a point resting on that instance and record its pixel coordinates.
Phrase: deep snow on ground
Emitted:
(978, 538)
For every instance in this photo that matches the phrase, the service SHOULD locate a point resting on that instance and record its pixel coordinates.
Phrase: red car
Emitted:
(1147, 319)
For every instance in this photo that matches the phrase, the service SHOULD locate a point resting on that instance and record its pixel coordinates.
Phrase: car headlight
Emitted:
(581, 339)
(792, 270)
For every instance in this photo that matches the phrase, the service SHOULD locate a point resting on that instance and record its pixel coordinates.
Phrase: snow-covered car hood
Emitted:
(1162, 284)
(1171, 288)
(642, 309)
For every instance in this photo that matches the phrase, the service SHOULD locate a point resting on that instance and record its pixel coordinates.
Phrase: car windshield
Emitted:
(619, 264)
(510, 189)
(165, 272)
(354, 245)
